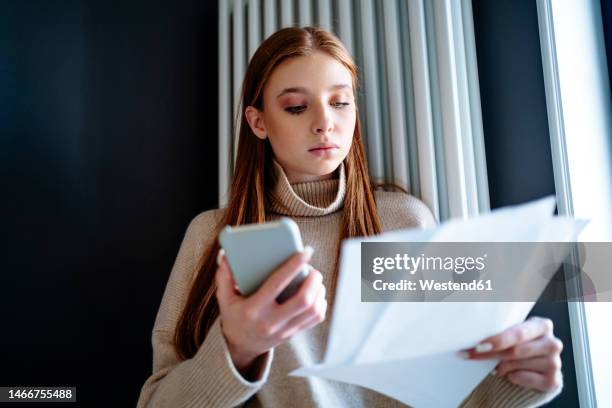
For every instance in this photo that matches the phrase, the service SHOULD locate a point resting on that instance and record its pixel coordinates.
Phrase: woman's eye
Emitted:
(295, 110)
(340, 105)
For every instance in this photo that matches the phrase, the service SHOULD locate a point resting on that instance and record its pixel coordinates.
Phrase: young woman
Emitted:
(301, 155)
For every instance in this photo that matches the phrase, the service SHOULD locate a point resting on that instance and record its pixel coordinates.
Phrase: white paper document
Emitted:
(407, 350)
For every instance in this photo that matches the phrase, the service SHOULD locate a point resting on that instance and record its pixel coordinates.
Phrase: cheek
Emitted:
(283, 123)
(282, 140)
(346, 124)
(347, 116)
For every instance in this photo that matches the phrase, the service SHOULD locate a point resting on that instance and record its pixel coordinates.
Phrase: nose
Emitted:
(322, 122)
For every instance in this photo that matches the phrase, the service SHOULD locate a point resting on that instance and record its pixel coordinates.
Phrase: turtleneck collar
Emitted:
(309, 199)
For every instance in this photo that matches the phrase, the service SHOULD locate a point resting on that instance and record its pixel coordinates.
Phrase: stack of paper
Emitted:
(407, 350)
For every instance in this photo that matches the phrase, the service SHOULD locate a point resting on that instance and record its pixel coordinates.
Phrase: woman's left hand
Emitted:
(529, 352)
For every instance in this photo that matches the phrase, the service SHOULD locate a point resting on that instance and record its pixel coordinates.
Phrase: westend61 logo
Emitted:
(445, 271)
(485, 271)
(405, 264)
(414, 264)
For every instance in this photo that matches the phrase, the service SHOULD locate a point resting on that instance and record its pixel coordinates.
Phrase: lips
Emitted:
(324, 147)
(326, 151)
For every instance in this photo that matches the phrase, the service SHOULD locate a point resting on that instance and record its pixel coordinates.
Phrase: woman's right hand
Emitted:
(253, 325)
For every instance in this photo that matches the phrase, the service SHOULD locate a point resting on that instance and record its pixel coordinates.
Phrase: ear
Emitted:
(256, 121)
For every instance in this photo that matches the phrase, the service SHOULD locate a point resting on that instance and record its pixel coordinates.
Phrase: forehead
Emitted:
(314, 72)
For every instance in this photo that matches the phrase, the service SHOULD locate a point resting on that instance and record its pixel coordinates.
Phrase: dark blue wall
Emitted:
(516, 133)
(108, 130)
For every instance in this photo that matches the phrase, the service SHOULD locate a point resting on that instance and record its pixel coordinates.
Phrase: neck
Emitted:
(310, 198)
(305, 178)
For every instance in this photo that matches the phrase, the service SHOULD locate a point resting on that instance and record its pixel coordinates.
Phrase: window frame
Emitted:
(563, 99)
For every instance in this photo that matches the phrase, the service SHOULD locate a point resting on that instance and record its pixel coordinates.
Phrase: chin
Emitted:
(327, 167)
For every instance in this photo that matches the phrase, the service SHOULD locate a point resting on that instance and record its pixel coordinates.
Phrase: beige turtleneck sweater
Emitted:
(209, 379)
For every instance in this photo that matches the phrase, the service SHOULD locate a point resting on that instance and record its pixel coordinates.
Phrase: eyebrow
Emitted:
(300, 89)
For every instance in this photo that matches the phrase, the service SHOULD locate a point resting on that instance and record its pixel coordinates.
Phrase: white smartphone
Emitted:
(256, 250)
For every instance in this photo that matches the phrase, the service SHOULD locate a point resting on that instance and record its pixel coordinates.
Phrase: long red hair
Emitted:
(253, 178)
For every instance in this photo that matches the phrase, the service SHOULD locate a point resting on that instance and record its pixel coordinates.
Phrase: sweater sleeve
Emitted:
(210, 378)
(498, 392)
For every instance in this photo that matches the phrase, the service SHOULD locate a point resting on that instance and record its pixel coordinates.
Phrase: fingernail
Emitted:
(220, 255)
(308, 251)
(484, 347)
(463, 354)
